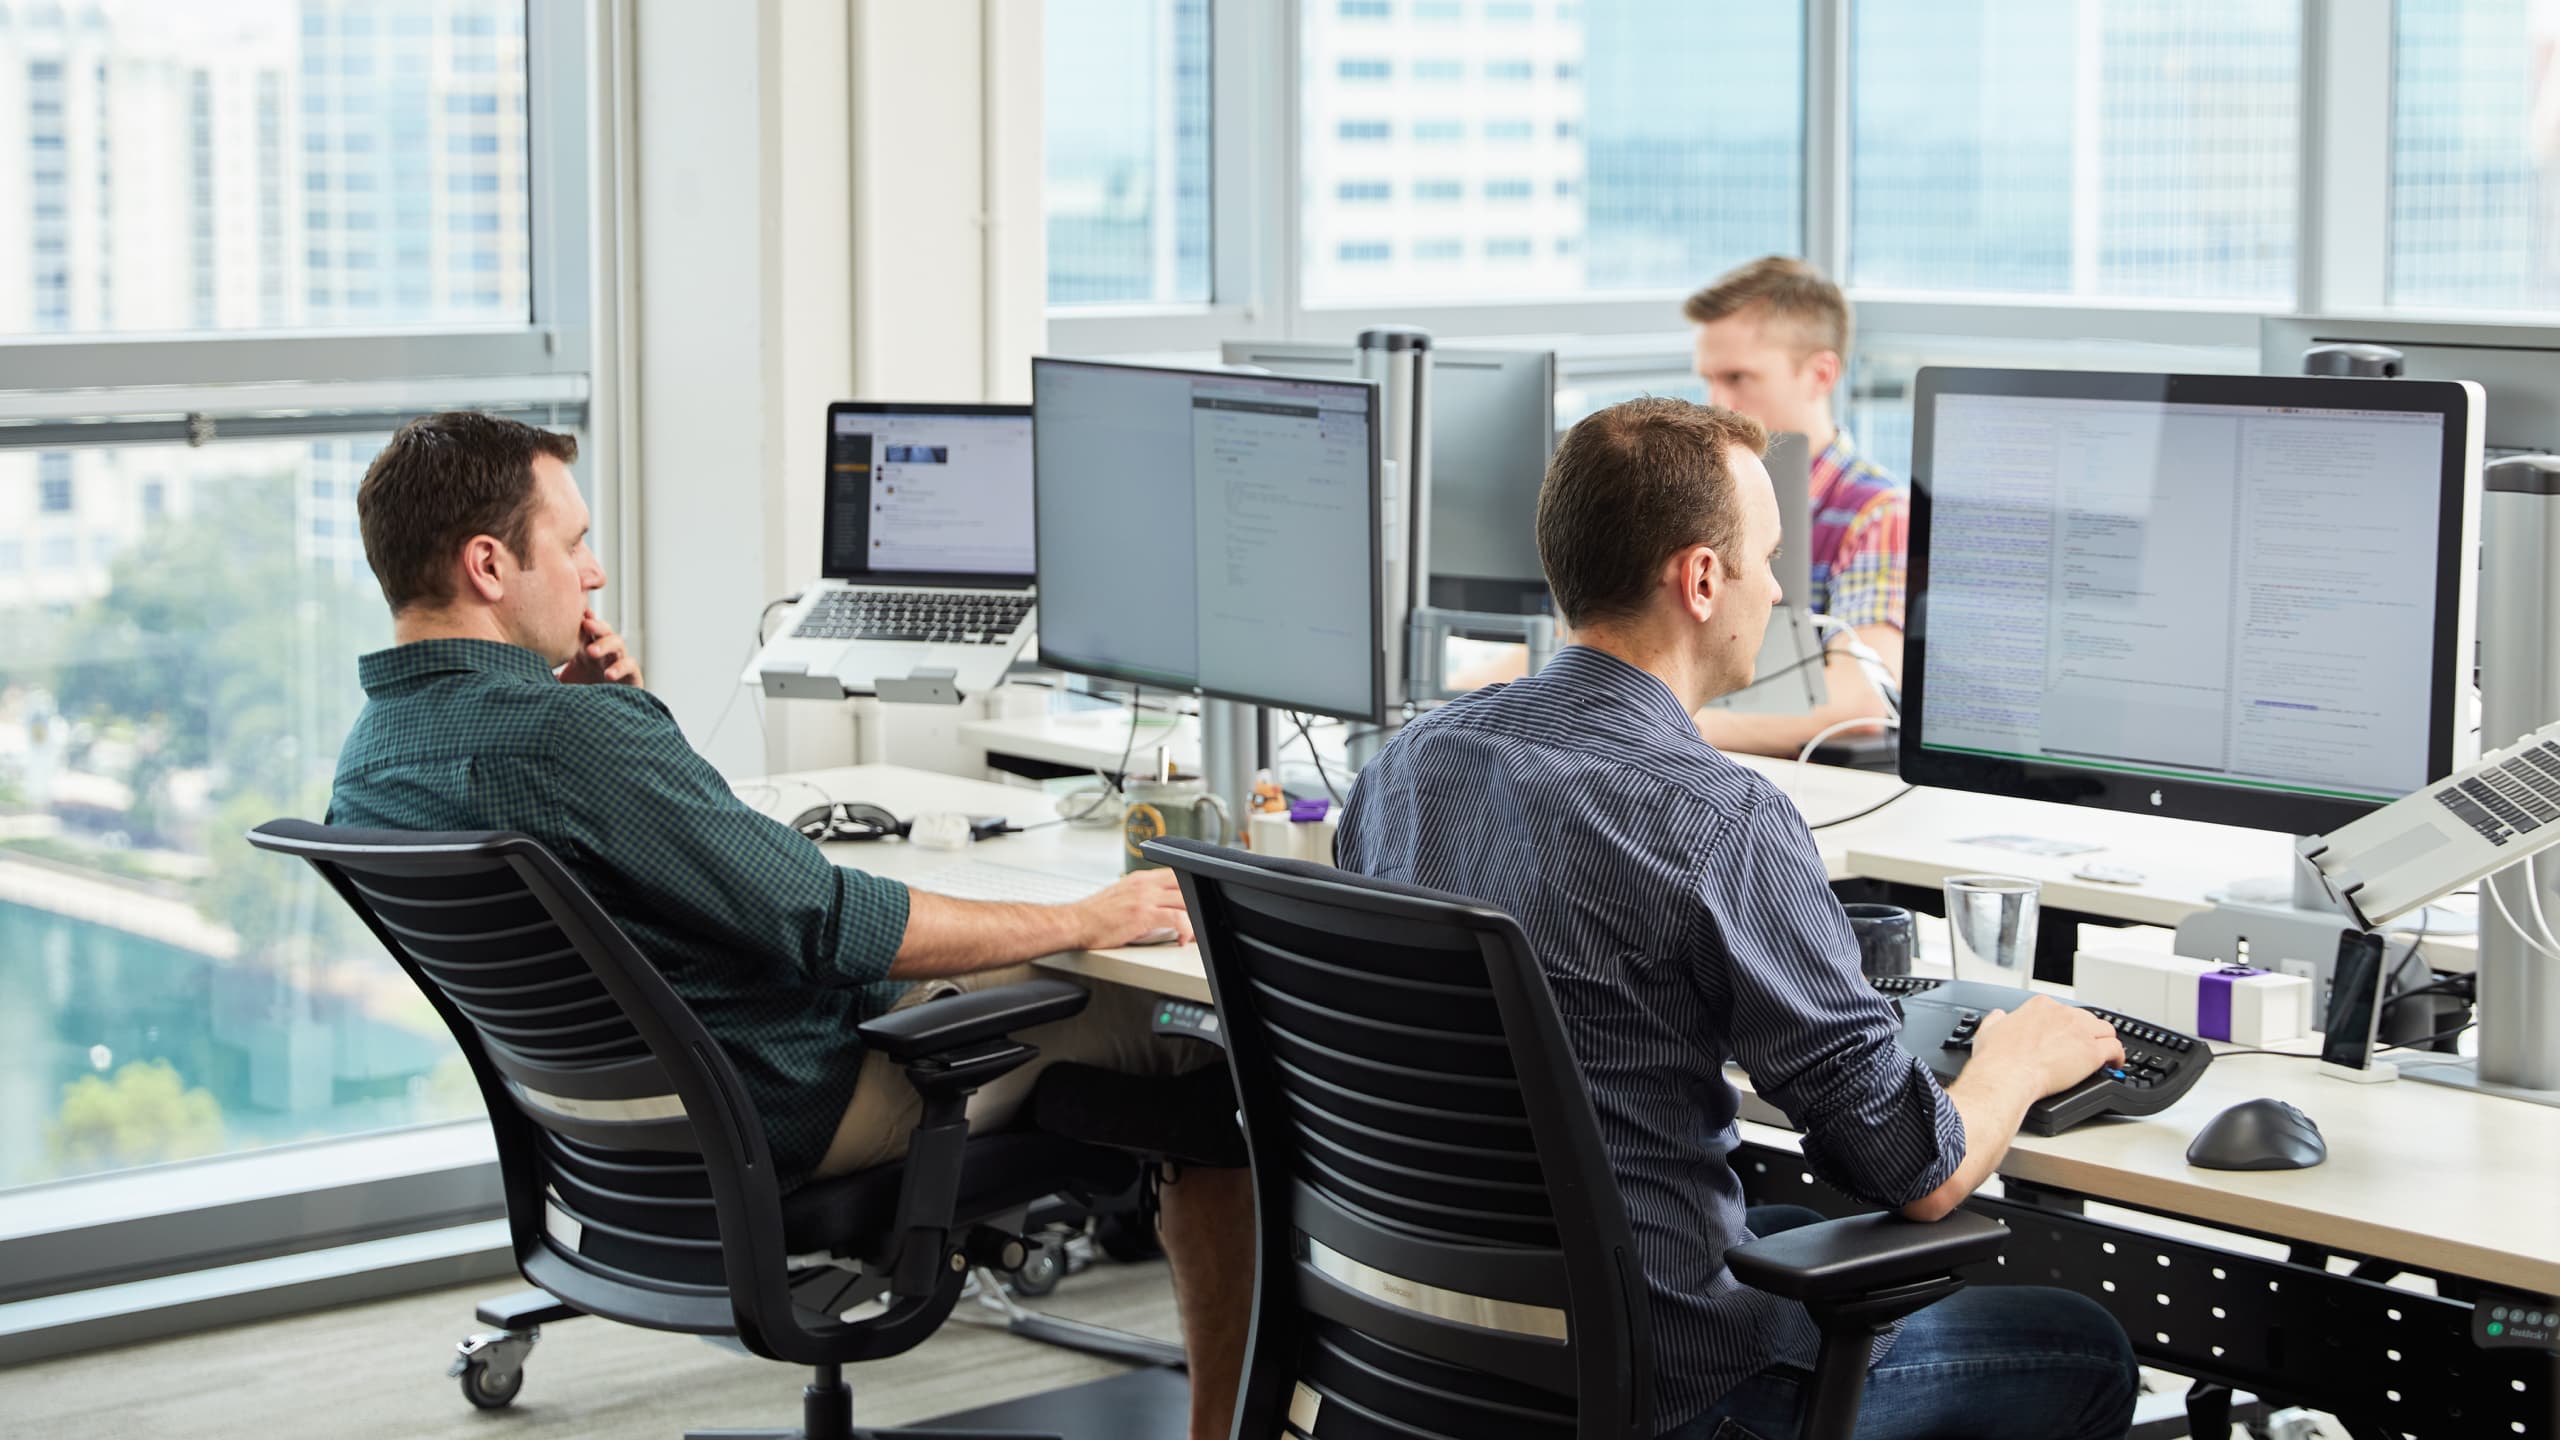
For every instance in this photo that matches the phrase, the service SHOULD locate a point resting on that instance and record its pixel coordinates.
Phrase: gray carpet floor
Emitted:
(378, 1369)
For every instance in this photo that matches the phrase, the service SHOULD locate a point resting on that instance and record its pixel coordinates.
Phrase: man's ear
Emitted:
(1697, 574)
(485, 568)
(1823, 368)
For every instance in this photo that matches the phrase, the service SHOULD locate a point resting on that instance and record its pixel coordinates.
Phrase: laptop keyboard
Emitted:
(955, 617)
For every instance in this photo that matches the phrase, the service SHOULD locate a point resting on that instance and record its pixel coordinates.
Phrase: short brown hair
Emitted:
(441, 480)
(1631, 486)
(1788, 289)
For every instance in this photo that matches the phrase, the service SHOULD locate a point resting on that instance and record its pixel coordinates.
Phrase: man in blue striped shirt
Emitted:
(1683, 918)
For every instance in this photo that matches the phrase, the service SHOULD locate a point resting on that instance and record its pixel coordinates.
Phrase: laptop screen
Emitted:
(928, 492)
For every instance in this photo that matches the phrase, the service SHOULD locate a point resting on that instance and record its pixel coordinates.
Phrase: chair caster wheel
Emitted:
(483, 1388)
(1039, 1274)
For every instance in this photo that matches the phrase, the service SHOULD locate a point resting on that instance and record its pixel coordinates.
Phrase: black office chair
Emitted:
(1442, 1251)
(637, 1178)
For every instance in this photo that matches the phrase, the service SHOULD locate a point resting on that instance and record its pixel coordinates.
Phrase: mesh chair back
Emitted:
(625, 1137)
(1443, 1248)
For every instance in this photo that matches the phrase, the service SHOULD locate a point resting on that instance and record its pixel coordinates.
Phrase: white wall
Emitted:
(812, 198)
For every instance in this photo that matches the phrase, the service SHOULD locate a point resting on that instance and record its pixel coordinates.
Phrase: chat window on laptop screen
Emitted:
(2240, 595)
(932, 494)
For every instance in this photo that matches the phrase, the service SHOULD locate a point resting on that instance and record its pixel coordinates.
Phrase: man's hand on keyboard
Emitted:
(1135, 907)
(2057, 1045)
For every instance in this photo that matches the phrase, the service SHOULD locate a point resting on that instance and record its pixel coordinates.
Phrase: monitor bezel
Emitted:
(1055, 660)
(2174, 796)
(963, 579)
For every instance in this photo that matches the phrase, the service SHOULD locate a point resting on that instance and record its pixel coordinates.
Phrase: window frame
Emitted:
(248, 1207)
(2341, 243)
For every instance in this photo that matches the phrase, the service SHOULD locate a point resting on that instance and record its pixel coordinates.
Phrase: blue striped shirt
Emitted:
(1682, 916)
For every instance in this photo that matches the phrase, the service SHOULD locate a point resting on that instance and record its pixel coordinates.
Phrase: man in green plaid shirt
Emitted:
(506, 705)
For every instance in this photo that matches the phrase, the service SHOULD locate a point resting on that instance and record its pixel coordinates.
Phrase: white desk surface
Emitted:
(2422, 1174)
(1920, 839)
(1051, 849)
(1926, 836)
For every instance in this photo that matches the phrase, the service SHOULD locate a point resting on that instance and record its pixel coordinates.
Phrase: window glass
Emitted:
(1127, 131)
(178, 664)
(2475, 141)
(202, 167)
(1641, 176)
(2135, 148)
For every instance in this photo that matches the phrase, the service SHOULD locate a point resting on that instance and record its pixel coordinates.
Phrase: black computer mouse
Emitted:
(2258, 1135)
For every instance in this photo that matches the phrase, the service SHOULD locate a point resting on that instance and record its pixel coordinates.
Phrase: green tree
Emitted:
(145, 1115)
(228, 649)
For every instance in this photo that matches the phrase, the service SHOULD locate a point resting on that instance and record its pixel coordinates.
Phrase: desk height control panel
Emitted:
(1188, 1018)
(2502, 1319)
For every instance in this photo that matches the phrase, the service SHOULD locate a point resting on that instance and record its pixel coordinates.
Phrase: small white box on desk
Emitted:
(2199, 997)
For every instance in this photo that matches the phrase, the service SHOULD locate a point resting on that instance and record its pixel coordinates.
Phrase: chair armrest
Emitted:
(1866, 1254)
(957, 1021)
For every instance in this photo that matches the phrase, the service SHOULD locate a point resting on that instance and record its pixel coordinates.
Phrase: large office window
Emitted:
(2139, 148)
(319, 216)
(1127, 96)
(165, 991)
(226, 168)
(1659, 140)
(2475, 155)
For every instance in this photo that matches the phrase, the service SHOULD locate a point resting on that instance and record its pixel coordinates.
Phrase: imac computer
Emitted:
(1211, 533)
(2237, 599)
(2516, 366)
(1493, 429)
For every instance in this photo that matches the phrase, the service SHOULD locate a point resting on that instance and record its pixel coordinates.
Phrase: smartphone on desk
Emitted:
(2355, 1002)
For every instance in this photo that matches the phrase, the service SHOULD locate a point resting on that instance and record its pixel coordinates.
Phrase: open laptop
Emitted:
(1788, 678)
(927, 557)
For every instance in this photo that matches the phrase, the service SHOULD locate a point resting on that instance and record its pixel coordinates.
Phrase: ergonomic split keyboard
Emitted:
(1940, 1018)
(953, 617)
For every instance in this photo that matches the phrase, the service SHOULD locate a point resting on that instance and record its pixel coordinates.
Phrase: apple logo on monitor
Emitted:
(2155, 797)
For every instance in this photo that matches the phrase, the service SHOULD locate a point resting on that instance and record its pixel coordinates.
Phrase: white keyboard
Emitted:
(986, 880)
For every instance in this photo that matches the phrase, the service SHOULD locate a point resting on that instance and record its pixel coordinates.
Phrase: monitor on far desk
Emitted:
(1210, 533)
(1493, 429)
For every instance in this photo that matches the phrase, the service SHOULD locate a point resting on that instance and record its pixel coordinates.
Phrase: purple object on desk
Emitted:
(1307, 812)
(2213, 1000)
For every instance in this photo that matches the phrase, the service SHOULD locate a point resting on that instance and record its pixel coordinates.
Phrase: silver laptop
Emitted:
(1788, 678)
(927, 557)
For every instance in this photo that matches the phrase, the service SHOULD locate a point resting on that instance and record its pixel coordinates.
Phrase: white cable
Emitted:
(1877, 673)
(2533, 900)
(2489, 887)
(1805, 755)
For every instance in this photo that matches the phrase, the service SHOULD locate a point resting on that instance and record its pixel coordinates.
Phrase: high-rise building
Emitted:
(1441, 152)
(254, 164)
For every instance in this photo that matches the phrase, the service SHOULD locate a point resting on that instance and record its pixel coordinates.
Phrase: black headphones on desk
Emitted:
(856, 820)
(849, 820)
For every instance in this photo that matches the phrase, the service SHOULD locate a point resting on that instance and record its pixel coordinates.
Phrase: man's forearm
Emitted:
(1853, 696)
(957, 937)
(1991, 1102)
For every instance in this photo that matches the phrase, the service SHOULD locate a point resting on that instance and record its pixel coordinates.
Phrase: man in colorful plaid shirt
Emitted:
(1772, 339)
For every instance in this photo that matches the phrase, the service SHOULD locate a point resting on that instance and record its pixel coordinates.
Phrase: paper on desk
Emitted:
(2030, 844)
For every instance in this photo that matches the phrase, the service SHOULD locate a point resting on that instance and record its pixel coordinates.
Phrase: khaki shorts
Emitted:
(1115, 1031)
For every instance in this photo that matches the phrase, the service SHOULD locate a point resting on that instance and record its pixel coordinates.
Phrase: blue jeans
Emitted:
(1999, 1363)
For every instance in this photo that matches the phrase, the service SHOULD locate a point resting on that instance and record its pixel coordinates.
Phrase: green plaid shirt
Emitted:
(780, 952)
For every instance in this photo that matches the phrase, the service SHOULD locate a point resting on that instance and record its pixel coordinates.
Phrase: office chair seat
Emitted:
(998, 1172)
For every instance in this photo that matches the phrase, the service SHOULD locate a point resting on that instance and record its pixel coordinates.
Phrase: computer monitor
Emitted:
(1210, 532)
(2238, 599)
(2517, 366)
(1493, 429)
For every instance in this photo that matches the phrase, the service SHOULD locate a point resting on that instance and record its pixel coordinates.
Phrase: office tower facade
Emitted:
(239, 167)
